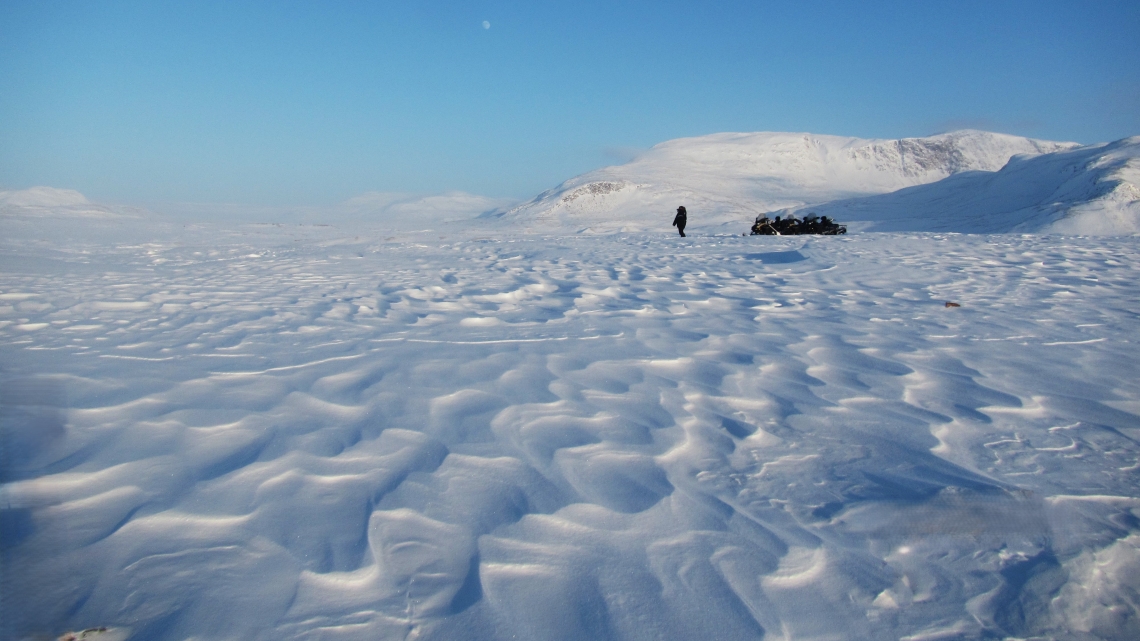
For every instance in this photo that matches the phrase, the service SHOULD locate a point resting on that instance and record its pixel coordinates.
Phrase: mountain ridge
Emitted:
(1086, 190)
(725, 178)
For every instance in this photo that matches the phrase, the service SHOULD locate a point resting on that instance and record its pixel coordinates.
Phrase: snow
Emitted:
(725, 178)
(399, 210)
(434, 416)
(42, 197)
(350, 431)
(56, 203)
(1087, 190)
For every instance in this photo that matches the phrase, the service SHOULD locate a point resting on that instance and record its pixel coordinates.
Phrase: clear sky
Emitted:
(306, 103)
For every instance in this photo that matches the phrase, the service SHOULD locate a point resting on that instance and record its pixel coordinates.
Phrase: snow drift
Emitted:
(303, 432)
(730, 177)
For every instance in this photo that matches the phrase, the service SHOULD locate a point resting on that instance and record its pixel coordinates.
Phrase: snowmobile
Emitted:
(826, 226)
(763, 227)
(792, 226)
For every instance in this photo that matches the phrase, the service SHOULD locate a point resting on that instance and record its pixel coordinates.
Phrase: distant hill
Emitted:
(727, 178)
(1087, 190)
(49, 202)
(396, 210)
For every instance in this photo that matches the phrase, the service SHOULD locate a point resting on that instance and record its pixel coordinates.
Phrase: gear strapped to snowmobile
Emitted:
(792, 226)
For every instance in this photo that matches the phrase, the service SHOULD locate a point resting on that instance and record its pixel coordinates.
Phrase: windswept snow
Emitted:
(730, 177)
(299, 432)
(423, 424)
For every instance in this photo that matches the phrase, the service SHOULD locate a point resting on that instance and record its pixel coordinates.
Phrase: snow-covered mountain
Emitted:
(1086, 190)
(395, 210)
(58, 203)
(728, 177)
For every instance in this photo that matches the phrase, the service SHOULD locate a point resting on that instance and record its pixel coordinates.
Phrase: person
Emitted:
(680, 219)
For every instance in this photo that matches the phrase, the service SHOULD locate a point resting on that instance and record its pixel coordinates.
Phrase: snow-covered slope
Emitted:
(1086, 190)
(730, 177)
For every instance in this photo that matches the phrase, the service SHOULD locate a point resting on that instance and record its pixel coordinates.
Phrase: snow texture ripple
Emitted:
(292, 432)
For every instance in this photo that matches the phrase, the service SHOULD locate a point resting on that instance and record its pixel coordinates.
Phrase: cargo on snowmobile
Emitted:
(792, 226)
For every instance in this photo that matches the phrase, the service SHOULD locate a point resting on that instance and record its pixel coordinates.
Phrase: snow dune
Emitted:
(267, 432)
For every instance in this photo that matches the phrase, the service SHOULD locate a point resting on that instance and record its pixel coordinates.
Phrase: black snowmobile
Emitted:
(763, 227)
(792, 226)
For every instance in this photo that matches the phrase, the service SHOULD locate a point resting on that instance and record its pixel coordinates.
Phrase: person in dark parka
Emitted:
(680, 219)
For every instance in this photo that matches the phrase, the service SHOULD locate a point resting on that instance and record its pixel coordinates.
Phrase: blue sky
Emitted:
(306, 103)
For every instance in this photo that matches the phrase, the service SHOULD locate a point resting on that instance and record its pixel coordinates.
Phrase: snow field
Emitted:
(295, 432)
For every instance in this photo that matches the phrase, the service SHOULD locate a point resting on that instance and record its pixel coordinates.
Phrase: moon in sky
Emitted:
(486, 25)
